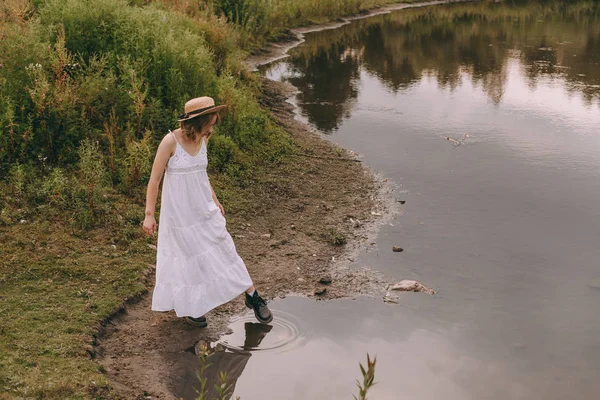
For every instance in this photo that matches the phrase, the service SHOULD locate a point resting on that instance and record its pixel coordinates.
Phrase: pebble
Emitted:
(320, 291)
(407, 285)
(397, 249)
(390, 298)
(151, 246)
(23, 221)
(266, 236)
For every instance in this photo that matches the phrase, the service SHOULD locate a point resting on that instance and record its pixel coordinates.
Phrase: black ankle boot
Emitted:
(261, 311)
(199, 322)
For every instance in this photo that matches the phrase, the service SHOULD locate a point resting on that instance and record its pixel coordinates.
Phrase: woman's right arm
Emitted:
(163, 153)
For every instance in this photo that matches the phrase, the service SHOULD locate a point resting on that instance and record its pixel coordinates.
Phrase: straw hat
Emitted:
(199, 106)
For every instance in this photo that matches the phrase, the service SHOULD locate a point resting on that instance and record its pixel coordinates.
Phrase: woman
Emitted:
(197, 265)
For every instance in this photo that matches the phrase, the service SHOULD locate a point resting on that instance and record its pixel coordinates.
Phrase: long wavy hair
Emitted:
(193, 128)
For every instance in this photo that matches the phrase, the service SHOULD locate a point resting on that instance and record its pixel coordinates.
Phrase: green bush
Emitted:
(335, 237)
(137, 163)
(80, 80)
(222, 152)
(17, 179)
(92, 179)
(110, 72)
(57, 188)
(247, 124)
(253, 15)
(65, 73)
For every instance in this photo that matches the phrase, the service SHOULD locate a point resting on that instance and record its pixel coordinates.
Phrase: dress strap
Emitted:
(177, 144)
(174, 137)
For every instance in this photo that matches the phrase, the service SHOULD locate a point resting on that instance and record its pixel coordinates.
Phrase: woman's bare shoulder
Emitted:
(168, 143)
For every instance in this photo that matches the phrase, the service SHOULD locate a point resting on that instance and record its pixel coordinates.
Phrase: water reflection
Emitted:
(505, 226)
(220, 359)
(557, 42)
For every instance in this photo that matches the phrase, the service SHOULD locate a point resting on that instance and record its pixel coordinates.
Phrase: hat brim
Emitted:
(211, 111)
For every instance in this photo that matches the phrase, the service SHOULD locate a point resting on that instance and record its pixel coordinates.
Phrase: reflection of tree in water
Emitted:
(550, 39)
(328, 80)
(400, 52)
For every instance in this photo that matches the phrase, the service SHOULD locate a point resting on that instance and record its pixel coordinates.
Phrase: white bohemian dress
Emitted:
(197, 265)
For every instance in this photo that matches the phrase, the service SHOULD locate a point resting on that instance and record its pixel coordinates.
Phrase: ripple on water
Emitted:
(285, 332)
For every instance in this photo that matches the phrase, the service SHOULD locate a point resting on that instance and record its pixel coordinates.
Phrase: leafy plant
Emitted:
(368, 378)
(335, 237)
(250, 14)
(17, 179)
(92, 176)
(223, 390)
(56, 189)
(137, 162)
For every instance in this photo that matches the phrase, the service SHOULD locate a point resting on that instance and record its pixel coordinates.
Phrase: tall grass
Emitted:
(117, 75)
(258, 21)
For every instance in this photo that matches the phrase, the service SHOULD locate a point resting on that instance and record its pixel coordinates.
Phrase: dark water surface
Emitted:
(488, 118)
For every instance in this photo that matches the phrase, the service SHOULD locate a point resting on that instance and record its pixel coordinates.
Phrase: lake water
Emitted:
(487, 116)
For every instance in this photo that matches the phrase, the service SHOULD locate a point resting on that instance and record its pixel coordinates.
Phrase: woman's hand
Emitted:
(149, 225)
(217, 203)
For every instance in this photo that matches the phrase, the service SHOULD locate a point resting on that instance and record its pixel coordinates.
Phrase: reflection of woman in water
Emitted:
(221, 359)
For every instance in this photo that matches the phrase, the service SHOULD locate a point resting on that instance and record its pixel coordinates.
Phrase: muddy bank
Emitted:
(322, 197)
(278, 50)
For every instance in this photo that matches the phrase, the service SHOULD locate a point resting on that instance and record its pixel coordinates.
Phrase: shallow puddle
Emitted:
(312, 350)
(285, 332)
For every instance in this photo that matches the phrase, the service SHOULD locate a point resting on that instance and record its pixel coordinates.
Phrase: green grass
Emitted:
(57, 287)
(259, 21)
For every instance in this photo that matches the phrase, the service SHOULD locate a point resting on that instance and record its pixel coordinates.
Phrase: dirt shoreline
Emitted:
(324, 194)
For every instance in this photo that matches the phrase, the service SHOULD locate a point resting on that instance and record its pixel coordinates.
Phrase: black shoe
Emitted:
(197, 322)
(261, 311)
